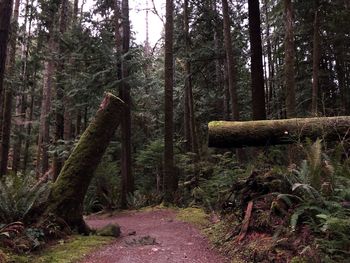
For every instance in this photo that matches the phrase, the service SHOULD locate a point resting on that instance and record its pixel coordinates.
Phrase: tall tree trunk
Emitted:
(231, 71)
(5, 19)
(316, 61)
(170, 178)
(7, 117)
(269, 60)
(257, 69)
(31, 88)
(219, 82)
(126, 161)
(226, 94)
(60, 110)
(189, 107)
(6, 131)
(21, 99)
(30, 112)
(289, 60)
(44, 128)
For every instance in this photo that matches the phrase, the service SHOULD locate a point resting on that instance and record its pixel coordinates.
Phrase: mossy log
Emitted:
(67, 194)
(228, 134)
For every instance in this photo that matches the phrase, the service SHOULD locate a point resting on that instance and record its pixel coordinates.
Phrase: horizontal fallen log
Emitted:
(228, 134)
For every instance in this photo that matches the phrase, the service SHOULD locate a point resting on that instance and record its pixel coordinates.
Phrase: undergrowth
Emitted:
(66, 251)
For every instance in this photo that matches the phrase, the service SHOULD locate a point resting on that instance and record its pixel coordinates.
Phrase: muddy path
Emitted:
(153, 236)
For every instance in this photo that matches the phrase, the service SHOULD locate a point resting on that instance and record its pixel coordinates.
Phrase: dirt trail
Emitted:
(159, 238)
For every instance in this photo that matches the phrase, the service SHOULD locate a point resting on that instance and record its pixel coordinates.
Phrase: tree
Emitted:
(126, 161)
(289, 60)
(68, 192)
(230, 61)
(5, 19)
(316, 56)
(170, 179)
(190, 126)
(49, 70)
(61, 112)
(7, 111)
(226, 134)
(257, 69)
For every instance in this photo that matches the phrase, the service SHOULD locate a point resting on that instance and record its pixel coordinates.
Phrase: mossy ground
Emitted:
(65, 252)
(195, 216)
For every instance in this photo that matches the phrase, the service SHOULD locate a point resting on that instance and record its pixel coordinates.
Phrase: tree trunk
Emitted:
(21, 99)
(6, 132)
(78, 123)
(30, 114)
(257, 69)
(67, 194)
(127, 182)
(289, 60)
(269, 61)
(5, 19)
(31, 95)
(170, 178)
(226, 94)
(190, 123)
(272, 132)
(231, 71)
(60, 110)
(44, 128)
(7, 117)
(316, 61)
(188, 83)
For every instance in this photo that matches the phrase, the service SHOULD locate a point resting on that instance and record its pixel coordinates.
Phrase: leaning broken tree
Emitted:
(67, 194)
(227, 134)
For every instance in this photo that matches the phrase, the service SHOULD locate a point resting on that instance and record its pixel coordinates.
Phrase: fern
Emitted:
(18, 194)
(306, 210)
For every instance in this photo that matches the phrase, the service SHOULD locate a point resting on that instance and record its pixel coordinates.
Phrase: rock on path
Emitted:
(159, 238)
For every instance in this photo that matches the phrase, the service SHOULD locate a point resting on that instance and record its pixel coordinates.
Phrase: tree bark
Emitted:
(289, 60)
(61, 104)
(272, 132)
(170, 179)
(127, 182)
(269, 60)
(21, 99)
(44, 128)
(315, 61)
(7, 117)
(257, 69)
(5, 19)
(6, 131)
(190, 122)
(231, 71)
(67, 194)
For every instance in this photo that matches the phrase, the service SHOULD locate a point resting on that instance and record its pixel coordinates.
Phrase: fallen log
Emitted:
(67, 193)
(227, 134)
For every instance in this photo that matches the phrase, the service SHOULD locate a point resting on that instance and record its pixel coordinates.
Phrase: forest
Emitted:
(227, 140)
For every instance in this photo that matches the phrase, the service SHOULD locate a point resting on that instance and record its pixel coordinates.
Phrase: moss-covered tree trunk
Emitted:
(67, 194)
(227, 134)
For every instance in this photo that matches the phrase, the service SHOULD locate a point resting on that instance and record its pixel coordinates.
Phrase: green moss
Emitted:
(67, 252)
(111, 230)
(215, 123)
(194, 216)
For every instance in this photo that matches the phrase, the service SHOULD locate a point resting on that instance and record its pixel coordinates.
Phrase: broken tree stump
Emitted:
(67, 193)
(227, 134)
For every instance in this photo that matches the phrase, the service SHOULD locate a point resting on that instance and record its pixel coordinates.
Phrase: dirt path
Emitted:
(154, 236)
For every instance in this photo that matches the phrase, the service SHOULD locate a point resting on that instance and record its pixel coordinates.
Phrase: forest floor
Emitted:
(156, 236)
